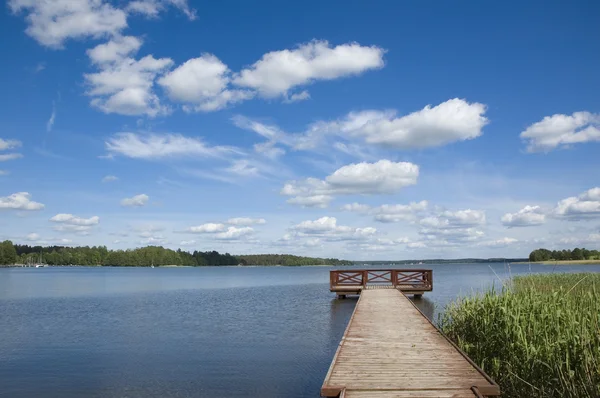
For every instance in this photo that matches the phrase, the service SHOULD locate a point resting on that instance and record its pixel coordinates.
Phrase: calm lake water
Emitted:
(188, 332)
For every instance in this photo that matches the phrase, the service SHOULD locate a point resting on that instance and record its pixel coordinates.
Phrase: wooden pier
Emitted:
(391, 349)
(413, 281)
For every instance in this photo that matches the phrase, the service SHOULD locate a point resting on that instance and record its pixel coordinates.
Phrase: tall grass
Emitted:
(537, 337)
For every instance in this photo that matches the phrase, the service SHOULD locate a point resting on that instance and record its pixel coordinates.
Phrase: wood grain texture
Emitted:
(390, 349)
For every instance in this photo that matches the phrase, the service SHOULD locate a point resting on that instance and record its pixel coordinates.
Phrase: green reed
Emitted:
(537, 337)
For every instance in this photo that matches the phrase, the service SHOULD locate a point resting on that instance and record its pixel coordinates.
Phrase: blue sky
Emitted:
(391, 130)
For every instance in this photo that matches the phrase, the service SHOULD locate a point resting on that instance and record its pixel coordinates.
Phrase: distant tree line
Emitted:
(288, 259)
(560, 255)
(141, 257)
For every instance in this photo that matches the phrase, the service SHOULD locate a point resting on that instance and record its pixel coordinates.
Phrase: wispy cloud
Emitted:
(50, 122)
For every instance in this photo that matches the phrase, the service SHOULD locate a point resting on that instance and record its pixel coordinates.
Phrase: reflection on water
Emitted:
(426, 306)
(187, 332)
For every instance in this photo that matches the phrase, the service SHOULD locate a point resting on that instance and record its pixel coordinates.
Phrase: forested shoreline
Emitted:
(564, 255)
(144, 257)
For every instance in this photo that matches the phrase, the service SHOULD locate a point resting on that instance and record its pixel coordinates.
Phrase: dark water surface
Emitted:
(188, 332)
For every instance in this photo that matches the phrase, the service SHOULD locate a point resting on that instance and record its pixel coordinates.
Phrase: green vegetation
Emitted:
(538, 337)
(287, 259)
(562, 255)
(142, 257)
(8, 254)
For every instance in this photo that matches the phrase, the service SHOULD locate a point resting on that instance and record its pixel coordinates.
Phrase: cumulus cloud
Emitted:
(51, 23)
(207, 228)
(381, 177)
(110, 178)
(278, 72)
(74, 220)
(327, 229)
(136, 201)
(506, 241)
(202, 82)
(451, 121)
(19, 201)
(9, 144)
(123, 84)
(452, 228)
(37, 239)
(561, 131)
(233, 233)
(527, 216)
(152, 8)
(399, 212)
(115, 50)
(301, 96)
(246, 221)
(157, 146)
(584, 206)
(74, 224)
(356, 207)
(187, 243)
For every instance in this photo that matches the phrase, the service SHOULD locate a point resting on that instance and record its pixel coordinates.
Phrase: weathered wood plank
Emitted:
(390, 349)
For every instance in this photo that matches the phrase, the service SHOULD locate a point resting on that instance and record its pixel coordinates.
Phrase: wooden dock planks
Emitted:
(390, 349)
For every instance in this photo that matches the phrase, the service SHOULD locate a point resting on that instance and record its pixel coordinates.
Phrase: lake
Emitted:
(189, 332)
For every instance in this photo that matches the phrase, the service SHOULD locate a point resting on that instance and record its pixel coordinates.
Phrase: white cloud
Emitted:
(19, 201)
(327, 229)
(399, 212)
(125, 85)
(154, 240)
(110, 178)
(301, 96)
(452, 228)
(115, 50)
(381, 177)
(152, 8)
(203, 83)
(320, 201)
(187, 243)
(575, 241)
(136, 201)
(10, 156)
(416, 245)
(506, 241)
(74, 220)
(560, 131)
(50, 122)
(4, 172)
(455, 219)
(246, 221)
(356, 207)
(53, 22)
(37, 239)
(269, 150)
(33, 237)
(233, 233)
(527, 216)
(207, 228)
(243, 167)
(72, 224)
(586, 205)
(9, 144)
(156, 146)
(451, 121)
(278, 72)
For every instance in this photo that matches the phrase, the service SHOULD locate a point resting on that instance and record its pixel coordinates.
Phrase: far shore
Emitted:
(569, 262)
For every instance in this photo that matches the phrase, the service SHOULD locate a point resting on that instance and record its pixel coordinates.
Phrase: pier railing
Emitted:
(408, 280)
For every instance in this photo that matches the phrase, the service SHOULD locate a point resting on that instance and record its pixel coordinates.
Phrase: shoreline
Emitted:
(568, 262)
